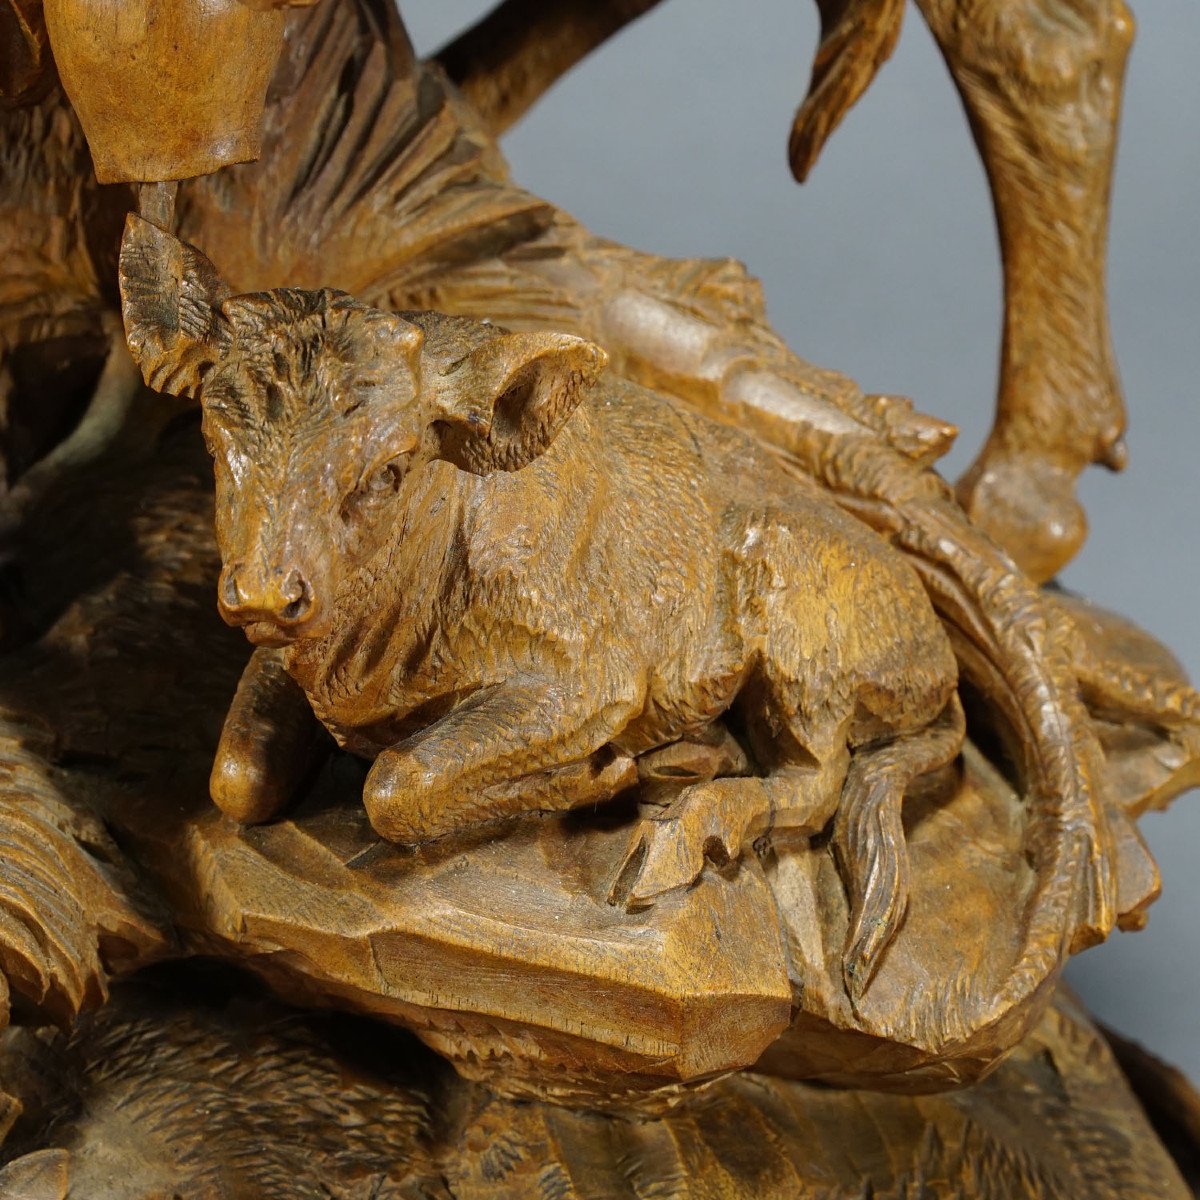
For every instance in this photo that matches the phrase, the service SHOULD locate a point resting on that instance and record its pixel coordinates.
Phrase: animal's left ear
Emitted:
(499, 407)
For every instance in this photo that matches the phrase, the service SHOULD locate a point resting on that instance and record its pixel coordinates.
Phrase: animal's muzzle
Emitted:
(284, 599)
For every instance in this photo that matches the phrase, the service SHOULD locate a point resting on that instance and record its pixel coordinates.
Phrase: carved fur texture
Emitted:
(486, 566)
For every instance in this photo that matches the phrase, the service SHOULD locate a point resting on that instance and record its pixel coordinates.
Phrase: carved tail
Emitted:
(1016, 649)
(857, 38)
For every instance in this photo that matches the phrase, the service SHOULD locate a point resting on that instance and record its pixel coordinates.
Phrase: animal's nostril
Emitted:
(298, 595)
(231, 596)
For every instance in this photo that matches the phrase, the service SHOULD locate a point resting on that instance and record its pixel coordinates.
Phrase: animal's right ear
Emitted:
(171, 298)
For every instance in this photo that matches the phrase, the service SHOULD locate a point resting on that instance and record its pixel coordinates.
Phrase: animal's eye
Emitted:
(385, 479)
(359, 394)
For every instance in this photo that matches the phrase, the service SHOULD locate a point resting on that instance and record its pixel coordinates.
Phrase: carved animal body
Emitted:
(504, 575)
(1041, 82)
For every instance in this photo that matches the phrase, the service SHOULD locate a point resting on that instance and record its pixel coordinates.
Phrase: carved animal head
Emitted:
(319, 411)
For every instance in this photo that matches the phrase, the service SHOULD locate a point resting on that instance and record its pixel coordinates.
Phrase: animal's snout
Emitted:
(283, 598)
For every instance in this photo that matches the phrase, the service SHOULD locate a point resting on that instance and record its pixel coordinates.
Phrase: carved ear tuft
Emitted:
(171, 297)
(503, 404)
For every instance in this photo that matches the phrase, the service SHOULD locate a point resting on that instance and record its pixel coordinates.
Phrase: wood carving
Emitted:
(695, 329)
(452, 537)
(1041, 83)
(301, 1104)
(199, 71)
(671, 690)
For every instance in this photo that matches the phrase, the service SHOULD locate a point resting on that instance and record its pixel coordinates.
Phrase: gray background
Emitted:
(672, 139)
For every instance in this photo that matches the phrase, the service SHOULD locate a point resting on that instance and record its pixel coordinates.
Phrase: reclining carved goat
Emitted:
(504, 575)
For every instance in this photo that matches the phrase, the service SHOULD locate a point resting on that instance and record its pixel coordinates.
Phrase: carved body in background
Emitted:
(503, 577)
(1041, 84)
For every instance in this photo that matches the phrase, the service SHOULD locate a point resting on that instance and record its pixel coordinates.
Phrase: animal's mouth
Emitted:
(267, 633)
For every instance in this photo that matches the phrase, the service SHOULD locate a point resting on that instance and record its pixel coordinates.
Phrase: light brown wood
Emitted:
(716, 752)
(166, 91)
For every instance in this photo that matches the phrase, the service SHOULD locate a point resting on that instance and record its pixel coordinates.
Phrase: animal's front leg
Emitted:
(518, 748)
(268, 743)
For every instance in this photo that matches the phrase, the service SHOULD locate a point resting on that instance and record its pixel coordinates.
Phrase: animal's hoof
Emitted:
(401, 800)
(246, 791)
(1029, 506)
(708, 822)
(661, 858)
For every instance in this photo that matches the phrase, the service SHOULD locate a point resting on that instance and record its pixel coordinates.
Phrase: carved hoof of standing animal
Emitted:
(708, 822)
(1029, 506)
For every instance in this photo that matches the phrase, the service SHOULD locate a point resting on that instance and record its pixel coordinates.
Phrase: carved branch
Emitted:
(521, 48)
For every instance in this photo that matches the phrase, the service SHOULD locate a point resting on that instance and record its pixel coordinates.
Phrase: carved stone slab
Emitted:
(506, 956)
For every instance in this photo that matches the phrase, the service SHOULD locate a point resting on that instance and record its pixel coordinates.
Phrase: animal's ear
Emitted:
(171, 298)
(499, 407)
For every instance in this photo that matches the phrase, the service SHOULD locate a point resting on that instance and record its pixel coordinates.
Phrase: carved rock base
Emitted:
(190, 1085)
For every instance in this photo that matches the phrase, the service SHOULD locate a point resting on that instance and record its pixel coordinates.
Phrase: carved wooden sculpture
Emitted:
(508, 636)
(1041, 83)
(647, 613)
(453, 536)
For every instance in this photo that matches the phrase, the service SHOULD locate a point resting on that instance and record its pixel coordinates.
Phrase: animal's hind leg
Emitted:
(714, 821)
(868, 837)
(1041, 83)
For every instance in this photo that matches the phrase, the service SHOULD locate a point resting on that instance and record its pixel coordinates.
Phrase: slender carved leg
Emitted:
(268, 743)
(1041, 82)
(502, 755)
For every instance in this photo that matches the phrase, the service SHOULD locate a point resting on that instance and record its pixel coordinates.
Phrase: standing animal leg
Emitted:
(1041, 82)
(868, 837)
(495, 757)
